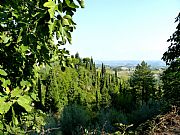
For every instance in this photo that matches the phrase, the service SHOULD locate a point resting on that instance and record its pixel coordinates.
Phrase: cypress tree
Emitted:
(120, 87)
(102, 78)
(116, 77)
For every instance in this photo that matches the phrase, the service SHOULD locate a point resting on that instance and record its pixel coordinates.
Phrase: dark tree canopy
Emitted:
(171, 81)
(173, 51)
(171, 77)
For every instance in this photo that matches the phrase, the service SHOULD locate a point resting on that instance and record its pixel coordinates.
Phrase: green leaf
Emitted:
(14, 118)
(25, 102)
(4, 107)
(51, 27)
(8, 128)
(7, 90)
(16, 92)
(33, 96)
(24, 48)
(1, 126)
(52, 7)
(20, 37)
(81, 2)
(65, 21)
(68, 35)
(2, 72)
(3, 99)
(25, 83)
(71, 4)
(15, 14)
(5, 82)
(8, 44)
(67, 17)
(4, 38)
(49, 4)
(51, 12)
(63, 63)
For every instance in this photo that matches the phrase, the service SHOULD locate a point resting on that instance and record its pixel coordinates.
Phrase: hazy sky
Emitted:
(124, 29)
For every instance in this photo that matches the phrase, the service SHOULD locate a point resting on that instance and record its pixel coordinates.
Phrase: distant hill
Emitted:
(130, 63)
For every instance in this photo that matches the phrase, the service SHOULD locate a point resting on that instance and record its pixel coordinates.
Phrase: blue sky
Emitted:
(124, 29)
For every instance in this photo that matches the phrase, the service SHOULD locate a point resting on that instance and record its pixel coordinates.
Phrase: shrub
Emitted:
(146, 111)
(73, 119)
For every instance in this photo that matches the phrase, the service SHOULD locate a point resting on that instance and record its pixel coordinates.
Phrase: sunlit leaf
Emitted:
(4, 107)
(5, 82)
(2, 99)
(25, 101)
(25, 83)
(4, 38)
(15, 14)
(52, 7)
(33, 96)
(49, 4)
(7, 90)
(24, 48)
(14, 118)
(16, 93)
(20, 37)
(2, 72)
(65, 21)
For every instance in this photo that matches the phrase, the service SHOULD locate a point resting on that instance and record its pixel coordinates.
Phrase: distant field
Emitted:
(125, 74)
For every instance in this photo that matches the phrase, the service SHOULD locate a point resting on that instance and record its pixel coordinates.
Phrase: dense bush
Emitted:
(146, 111)
(74, 119)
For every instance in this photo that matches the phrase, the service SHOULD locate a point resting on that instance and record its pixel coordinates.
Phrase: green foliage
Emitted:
(171, 83)
(173, 51)
(16, 103)
(171, 77)
(60, 88)
(124, 102)
(123, 128)
(74, 117)
(107, 118)
(33, 122)
(84, 92)
(52, 125)
(81, 86)
(145, 112)
(104, 120)
(143, 83)
(27, 30)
